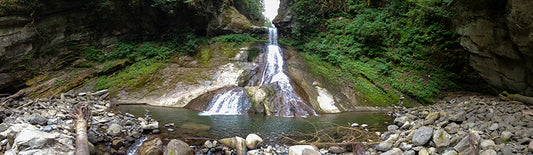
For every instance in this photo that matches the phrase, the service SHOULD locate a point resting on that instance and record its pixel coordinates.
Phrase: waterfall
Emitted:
(230, 101)
(284, 100)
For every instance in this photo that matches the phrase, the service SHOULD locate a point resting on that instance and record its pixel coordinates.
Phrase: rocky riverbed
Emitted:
(459, 124)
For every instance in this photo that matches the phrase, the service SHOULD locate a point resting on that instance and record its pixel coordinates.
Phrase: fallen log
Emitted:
(517, 97)
(81, 113)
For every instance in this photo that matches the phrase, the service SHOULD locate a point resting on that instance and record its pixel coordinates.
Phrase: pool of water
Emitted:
(221, 126)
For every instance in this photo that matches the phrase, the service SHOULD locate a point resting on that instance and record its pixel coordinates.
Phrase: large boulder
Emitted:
(151, 147)
(30, 140)
(178, 147)
(422, 135)
(252, 140)
(238, 143)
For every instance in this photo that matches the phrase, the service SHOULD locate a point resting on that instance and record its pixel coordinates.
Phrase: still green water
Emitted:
(221, 126)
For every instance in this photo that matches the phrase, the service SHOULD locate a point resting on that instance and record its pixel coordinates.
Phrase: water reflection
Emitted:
(241, 125)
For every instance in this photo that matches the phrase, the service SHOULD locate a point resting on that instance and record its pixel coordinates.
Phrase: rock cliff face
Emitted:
(499, 36)
(51, 35)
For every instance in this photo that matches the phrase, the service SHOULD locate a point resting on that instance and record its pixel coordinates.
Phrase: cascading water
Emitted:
(230, 101)
(284, 100)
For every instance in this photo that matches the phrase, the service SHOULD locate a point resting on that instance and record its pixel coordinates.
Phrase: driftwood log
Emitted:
(81, 113)
(517, 97)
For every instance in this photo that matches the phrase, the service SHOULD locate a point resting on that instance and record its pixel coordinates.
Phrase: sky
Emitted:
(271, 9)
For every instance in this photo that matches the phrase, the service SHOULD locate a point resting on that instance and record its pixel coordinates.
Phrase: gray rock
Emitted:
(47, 128)
(114, 129)
(30, 141)
(506, 135)
(441, 138)
(422, 135)
(37, 119)
(507, 150)
(208, 144)
(336, 149)
(401, 120)
(406, 146)
(407, 125)
(384, 146)
(153, 146)
(178, 147)
(530, 146)
(488, 152)
(452, 128)
(252, 140)
(493, 126)
(392, 128)
(149, 125)
(487, 144)
(451, 152)
(423, 151)
(409, 152)
(463, 147)
(432, 117)
(394, 151)
(298, 149)
(252, 152)
(307, 151)
(458, 117)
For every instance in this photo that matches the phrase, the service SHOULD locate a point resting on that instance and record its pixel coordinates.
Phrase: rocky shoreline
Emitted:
(461, 124)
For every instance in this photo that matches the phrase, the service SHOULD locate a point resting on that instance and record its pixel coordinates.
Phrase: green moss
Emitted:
(132, 76)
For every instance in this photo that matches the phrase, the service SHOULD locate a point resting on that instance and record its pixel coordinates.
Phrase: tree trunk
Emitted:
(82, 146)
(517, 97)
(81, 113)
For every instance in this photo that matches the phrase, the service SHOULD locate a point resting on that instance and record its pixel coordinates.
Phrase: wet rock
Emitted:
(422, 135)
(441, 138)
(384, 146)
(151, 147)
(394, 151)
(298, 149)
(114, 129)
(458, 117)
(252, 140)
(237, 143)
(337, 149)
(178, 147)
(37, 119)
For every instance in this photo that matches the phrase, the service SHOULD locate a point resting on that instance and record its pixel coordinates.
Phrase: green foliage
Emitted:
(8, 7)
(235, 38)
(384, 49)
(132, 76)
(252, 9)
(184, 41)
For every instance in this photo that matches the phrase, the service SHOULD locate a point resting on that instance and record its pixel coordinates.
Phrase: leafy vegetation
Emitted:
(382, 46)
(18, 6)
